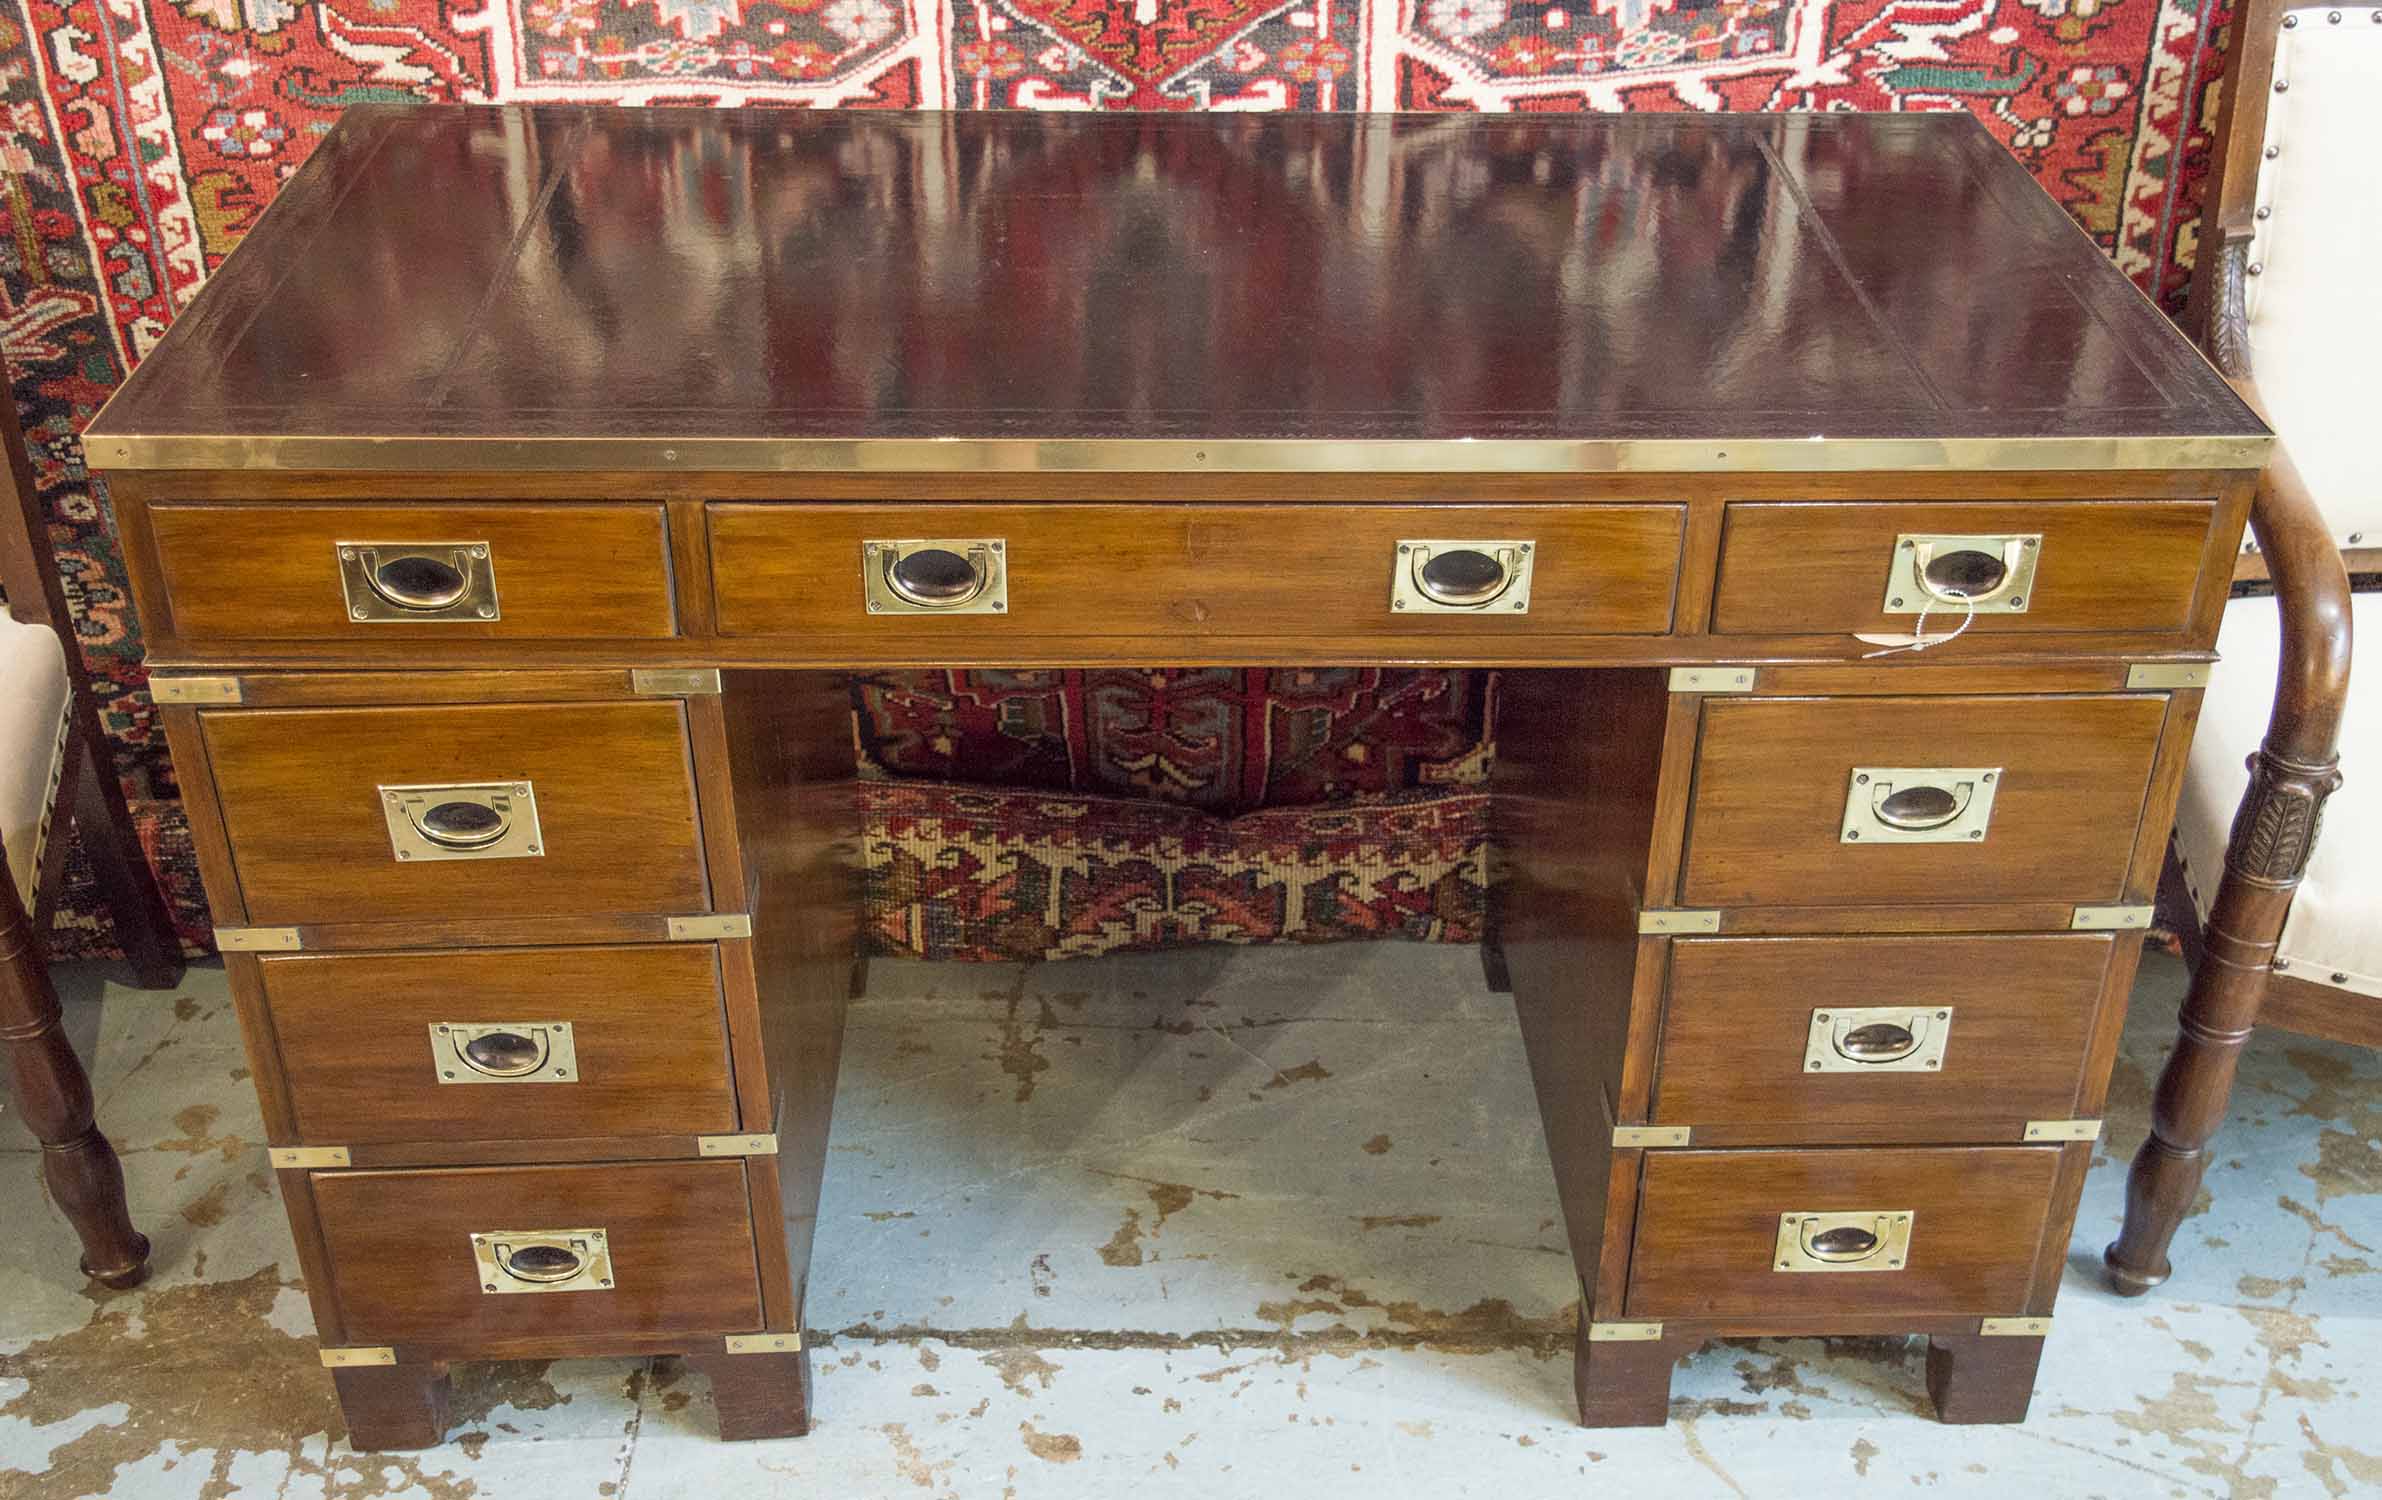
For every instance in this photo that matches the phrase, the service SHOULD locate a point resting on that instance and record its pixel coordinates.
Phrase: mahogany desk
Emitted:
(504, 510)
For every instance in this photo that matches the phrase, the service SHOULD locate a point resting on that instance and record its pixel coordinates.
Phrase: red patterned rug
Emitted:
(140, 138)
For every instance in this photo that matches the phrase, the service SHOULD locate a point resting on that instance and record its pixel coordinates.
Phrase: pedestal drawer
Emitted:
(513, 1044)
(1924, 1233)
(1882, 1038)
(560, 1252)
(1792, 568)
(1821, 801)
(483, 811)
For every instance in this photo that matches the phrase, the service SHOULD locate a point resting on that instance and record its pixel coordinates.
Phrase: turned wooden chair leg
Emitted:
(49, 1085)
(2274, 832)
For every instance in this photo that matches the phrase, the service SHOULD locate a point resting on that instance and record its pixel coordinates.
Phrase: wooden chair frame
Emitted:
(79, 1166)
(2297, 766)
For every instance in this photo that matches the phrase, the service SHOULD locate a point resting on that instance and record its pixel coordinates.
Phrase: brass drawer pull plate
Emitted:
(1878, 1039)
(1991, 575)
(414, 581)
(1455, 577)
(542, 1260)
(503, 1052)
(463, 820)
(1860, 1240)
(935, 576)
(1919, 804)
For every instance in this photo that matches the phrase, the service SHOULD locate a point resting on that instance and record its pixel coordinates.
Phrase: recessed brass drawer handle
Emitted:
(503, 1052)
(1861, 1240)
(385, 581)
(1991, 574)
(1445, 576)
(542, 1260)
(1919, 804)
(1877, 1039)
(463, 820)
(943, 576)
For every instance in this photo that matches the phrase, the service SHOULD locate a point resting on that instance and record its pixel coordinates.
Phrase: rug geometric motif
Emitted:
(139, 139)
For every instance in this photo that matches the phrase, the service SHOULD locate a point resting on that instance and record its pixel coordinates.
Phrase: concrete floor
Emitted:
(1212, 1223)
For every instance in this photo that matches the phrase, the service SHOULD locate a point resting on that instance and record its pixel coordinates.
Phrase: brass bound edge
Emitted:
(763, 1343)
(362, 1354)
(257, 940)
(2167, 674)
(2063, 1130)
(736, 1145)
(194, 689)
(1650, 1135)
(2013, 1328)
(301, 1158)
(1713, 679)
(2109, 918)
(704, 929)
(945, 455)
(1657, 923)
(1624, 1333)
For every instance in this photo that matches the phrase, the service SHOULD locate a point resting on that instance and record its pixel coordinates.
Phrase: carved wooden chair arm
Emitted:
(2311, 586)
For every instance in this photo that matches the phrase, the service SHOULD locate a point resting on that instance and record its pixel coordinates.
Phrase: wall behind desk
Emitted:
(140, 138)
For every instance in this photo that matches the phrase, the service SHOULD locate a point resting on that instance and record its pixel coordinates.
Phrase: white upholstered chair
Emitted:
(2284, 928)
(56, 779)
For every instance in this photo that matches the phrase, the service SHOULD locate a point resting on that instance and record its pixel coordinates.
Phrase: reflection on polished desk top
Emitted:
(696, 289)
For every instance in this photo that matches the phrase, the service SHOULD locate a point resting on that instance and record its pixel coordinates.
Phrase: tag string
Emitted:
(1919, 640)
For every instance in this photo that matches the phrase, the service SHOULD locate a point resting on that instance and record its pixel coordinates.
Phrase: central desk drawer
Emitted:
(1957, 1232)
(1893, 801)
(377, 814)
(1881, 1038)
(504, 1044)
(675, 1253)
(1167, 572)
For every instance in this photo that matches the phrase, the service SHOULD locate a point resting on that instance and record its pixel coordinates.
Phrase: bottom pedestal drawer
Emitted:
(460, 1256)
(1797, 1237)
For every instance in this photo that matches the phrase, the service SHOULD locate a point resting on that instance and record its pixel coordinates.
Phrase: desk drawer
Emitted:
(1969, 1222)
(1169, 572)
(513, 1044)
(677, 1241)
(318, 835)
(414, 572)
(1915, 1038)
(2030, 798)
(1798, 568)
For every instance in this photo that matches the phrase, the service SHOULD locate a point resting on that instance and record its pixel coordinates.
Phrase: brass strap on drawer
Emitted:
(194, 689)
(762, 1144)
(662, 682)
(1624, 1333)
(257, 940)
(2170, 675)
(357, 1355)
(762, 1343)
(706, 929)
(306, 1158)
(1639, 1137)
(2062, 1130)
(1713, 679)
(1677, 920)
(2109, 918)
(2013, 1328)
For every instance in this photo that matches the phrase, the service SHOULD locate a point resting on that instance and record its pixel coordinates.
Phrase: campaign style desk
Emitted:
(504, 511)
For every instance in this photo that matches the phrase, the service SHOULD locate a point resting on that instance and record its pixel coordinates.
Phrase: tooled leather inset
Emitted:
(2275, 830)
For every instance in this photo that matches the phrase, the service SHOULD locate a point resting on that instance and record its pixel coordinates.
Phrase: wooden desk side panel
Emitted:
(1578, 754)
